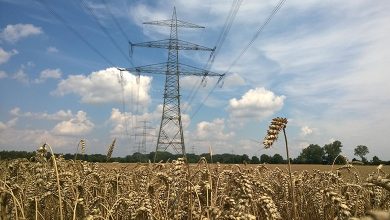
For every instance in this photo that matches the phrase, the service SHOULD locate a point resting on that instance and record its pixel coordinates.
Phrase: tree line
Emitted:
(313, 154)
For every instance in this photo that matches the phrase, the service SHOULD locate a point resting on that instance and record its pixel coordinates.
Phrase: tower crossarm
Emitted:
(174, 44)
(161, 68)
(169, 23)
(174, 22)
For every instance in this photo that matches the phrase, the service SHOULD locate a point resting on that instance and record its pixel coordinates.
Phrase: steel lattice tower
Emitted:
(144, 134)
(171, 129)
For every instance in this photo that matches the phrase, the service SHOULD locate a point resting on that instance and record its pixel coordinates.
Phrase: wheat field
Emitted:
(58, 189)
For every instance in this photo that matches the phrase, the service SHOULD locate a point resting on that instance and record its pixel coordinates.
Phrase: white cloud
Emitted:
(60, 115)
(303, 144)
(44, 75)
(12, 122)
(124, 125)
(15, 111)
(9, 124)
(255, 104)
(6, 55)
(78, 125)
(13, 33)
(305, 130)
(21, 76)
(52, 50)
(3, 74)
(141, 13)
(2, 126)
(51, 73)
(48, 74)
(31, 139)
(104, 86)
(233, 80)
(120, 120)
(65, 134)
(213, 131)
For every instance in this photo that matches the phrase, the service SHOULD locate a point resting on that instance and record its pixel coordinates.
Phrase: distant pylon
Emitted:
(144, 134)
(171, 128)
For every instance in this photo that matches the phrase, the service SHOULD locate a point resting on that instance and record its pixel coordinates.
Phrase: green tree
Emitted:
(376, 161)
(312, 154)
(361, 151)
(332, 150)
(277, 159)
(264, 158)
(255, 160)
(245, 158)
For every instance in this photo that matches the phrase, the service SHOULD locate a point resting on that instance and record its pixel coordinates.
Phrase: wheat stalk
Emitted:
(277, 125)
(110, 149)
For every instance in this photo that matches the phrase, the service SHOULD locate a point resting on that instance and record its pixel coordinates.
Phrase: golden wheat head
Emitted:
(277, 124)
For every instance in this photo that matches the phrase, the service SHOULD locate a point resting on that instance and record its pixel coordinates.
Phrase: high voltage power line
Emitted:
(221, 39)
(118, 25)
(113, 41)
(74, 31)
(93, 48)
(255, 36)
(171, 129)
(227, 26)
(104, 29)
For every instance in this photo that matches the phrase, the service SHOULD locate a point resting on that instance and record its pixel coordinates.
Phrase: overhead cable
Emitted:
(104, 29)
(74, 31)
(256, 35)
(221, 39)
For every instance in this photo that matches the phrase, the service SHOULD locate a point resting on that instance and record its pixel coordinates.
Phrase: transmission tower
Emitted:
(171, 129)
(144, 134)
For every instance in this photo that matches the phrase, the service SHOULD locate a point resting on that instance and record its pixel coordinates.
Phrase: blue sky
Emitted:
(322, 64)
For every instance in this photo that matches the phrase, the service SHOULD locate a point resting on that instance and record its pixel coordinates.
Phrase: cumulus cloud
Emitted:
(211, 133)
(15, 111)
(57, 116)
(9, 124)
(21, 76)
(214, 130)
(78, 125)
(52, 50)
(64, 134)
(13, 33)
(30, 139)
(124, 125)
(120, 121)
(48, 74)
(51, 73)
(257, 104)
(12, 122)
(104, 86)
(2, 126)
(3, 74)
(233, 80)
(6, 55)
(305, 130)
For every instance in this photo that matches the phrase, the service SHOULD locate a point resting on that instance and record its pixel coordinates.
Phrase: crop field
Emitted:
(57, 189)
(362, 171)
